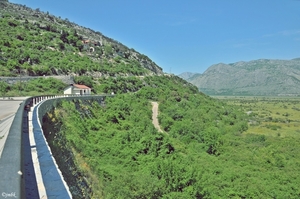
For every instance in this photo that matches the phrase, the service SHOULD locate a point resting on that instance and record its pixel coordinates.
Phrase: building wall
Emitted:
(82, 91)
(76, 91)
(88, 91)
(68, 91)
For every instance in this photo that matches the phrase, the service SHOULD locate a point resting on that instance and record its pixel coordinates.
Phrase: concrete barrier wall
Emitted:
(50, 174)
(50, 181)
(12, 180)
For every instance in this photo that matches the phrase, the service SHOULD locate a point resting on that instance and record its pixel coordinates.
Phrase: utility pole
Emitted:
(19, 70)
(20, 81)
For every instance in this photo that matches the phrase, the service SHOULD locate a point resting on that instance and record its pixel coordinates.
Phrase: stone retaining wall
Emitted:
(12, 80)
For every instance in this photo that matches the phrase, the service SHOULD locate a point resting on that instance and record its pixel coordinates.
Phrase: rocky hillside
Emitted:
(36, 43)
(258, 77)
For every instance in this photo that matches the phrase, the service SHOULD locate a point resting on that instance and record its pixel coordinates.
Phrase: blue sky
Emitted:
(190, 35)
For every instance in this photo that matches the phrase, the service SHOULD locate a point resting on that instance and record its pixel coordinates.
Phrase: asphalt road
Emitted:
(8, 109)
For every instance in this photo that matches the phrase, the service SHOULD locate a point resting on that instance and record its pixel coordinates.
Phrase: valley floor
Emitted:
(271, 116)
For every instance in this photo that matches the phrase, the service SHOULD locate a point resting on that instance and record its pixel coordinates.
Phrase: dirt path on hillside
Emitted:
(154, 116)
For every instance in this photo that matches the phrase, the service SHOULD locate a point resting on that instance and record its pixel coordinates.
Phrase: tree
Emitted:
(86, 80)
(79, 45)
(64, 36)
(3, 88)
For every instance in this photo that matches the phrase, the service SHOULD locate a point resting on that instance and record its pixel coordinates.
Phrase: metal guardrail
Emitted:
(13, 178)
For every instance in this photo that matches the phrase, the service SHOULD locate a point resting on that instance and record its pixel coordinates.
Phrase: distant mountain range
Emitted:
(188, 75)
(263, 77)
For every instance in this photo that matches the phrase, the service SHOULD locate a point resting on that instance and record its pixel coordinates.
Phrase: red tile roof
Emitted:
(81, 86)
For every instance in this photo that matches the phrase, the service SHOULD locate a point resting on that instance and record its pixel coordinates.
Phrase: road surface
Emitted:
(8, 108)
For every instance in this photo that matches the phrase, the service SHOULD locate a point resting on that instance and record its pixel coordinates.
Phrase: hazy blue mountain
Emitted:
(188, 75)
(257, 77)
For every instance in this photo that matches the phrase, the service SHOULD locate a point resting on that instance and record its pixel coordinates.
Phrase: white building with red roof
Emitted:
(77, 89)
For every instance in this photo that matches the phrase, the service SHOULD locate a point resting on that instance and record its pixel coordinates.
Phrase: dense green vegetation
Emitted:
(34, 87)
(203, 152)
(53, 86)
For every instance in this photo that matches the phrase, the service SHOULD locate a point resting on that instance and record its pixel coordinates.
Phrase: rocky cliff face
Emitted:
(258, 77)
